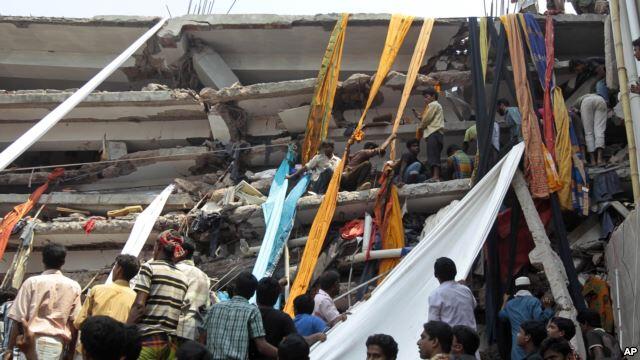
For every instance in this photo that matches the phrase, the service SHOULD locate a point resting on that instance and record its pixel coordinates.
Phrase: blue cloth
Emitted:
(518, 310)
(307, 324)
(537, 47)
(603, 90)
(415, 168)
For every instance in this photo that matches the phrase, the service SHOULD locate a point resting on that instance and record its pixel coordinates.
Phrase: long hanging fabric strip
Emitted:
(325, 90)
(11, 219)
(398, 28)
(484, 46)
(534, 156)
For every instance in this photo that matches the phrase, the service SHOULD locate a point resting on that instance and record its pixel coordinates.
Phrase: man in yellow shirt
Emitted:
(432, 128)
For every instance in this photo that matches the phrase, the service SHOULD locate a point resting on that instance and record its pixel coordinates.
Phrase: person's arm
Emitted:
(13, 337)
(314, 338)
(265, 348)
(298, 172)
(434, 309)
(138, 307)
(386, 143)
(71, 346)
(329, 311)
(85, 311)
(543, 315)
(337, 319)
(503, 312)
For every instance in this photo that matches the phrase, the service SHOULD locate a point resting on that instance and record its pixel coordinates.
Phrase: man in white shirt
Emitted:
(197, 296)
(451, 302)
(321, 167)
(324, 306)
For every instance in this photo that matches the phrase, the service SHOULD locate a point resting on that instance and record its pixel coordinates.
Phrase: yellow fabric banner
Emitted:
(398, 28)
(484, 46)
(324, 92)
(392, 229)
(564, 152)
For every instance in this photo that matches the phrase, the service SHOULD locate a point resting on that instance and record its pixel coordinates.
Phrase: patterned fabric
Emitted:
(172, 237)
(461, 164)
(197, 297)
(596, 292)
(157, 347)
(563, 148)
(113, 300)
(230, 326)
(167, 287)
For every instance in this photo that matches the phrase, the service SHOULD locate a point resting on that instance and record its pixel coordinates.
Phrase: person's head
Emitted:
(126, 267)
(589, 319)
(293, 347)
(435, 339)
(189, 249)
(192, 350)
(413, 146)
(444, 269)
(53, 256)
(452, 149)
(503, 104)
(104, 338)
(303, 304)
(465, 340)
(370, 145)
(8, 295)
(168, 246)
(268, 291)
(531, 335)
(636, 48)
(430, 95)
(523, 283)
(560, 327)
(327, 147)
(330, 282)
(555, 349)
(381, 347)
(245, 285)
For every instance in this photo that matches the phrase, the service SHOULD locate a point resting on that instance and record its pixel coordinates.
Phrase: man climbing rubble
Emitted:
(357, 173)
(321, 167)
(593, 112)
(431, 127)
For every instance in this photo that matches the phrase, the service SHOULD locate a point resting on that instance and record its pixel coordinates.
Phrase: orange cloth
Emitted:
(564, 151)
(11, 219)
(553, 179)
(534, 156)
(389, 215)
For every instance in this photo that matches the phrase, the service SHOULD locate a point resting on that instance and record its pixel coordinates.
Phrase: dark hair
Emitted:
(467, 337)
(430, 91)
(504, 102)
(268, 291)
(445, 269)
(636, 42)
(129, 264)
(536, 329)
(555, 344)
(293, 347)
(412, 142)
(565, 325)
(589, 317)
(328, 279)
(327, 143)
(370, 145)
(53, 255)
(388, 345)
(452, 148)
(192, 350)
(104, 338)
(245, 285)
(8, 295)
(441, 331)
(189, 248)
(303, 304)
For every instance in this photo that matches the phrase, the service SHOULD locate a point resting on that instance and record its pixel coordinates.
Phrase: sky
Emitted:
(89, 8)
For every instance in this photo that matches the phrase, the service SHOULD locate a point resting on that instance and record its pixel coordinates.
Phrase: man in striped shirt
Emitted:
(160, 292)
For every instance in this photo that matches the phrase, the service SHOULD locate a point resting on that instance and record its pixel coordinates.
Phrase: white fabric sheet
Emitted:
(144, 224)
(399, 306)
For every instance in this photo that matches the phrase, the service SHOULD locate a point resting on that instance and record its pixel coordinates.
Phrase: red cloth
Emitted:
(352, 229)
(172, 237)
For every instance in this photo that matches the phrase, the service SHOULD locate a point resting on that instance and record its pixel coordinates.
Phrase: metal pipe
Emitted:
(376, 255)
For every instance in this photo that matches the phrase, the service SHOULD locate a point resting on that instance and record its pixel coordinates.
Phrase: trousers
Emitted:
(594, 120)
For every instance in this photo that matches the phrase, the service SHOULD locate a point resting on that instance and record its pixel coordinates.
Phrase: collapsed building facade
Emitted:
(211, 101)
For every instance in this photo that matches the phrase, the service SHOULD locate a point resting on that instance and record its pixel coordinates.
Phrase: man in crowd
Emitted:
(465, 344)
(432, 128)
(512, 119)
(104, 338)
(435, 341)
(160, 293)
(381, 347)
(600, 344)
(7, 297)
(308, 325)
(197, 297)
(555, 349)
(321, 167)
(45, 308)
(593, 112)
(293, 347)
(451, 302)
(411, 169)
(324, 308)
(229, 326)
(564, 328)
(357, 170)
(114, 299)
(523, 307)
(529, 338)
(459, 164)
(471, 134)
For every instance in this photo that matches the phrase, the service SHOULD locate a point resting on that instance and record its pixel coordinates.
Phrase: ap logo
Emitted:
(631, 351)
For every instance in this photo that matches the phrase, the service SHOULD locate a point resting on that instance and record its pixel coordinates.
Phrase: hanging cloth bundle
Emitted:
(324, 92)
(398, 28)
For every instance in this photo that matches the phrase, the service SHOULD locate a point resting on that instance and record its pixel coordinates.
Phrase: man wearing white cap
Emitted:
(523, 307)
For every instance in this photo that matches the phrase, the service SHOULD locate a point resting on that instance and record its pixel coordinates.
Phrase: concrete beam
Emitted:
(212, 70)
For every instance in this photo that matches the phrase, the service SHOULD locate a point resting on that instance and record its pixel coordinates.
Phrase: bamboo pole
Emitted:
(624, 97)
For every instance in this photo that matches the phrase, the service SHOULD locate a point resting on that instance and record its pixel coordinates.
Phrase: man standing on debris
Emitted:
(593, 112)
(229, 326)
(44, 310)
(451, 302)
(411, 170)
(321, 167)
(459, 164)
(523, 307)
(160, 293)
(435, 341)
(197, 296)
(432, 128)
(357, 173)
(324, 308)
(600, 344)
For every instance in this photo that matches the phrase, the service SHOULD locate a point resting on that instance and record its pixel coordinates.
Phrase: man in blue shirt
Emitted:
(307, 324)
(523, 307)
